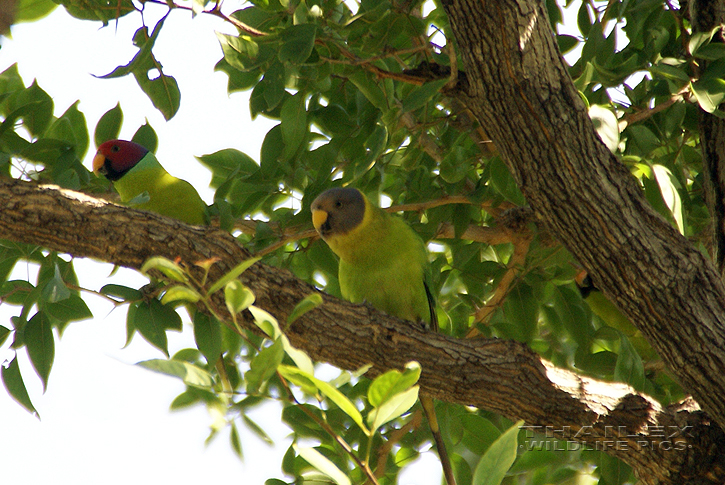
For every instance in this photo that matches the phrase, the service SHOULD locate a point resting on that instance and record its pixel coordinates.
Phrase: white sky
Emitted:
(104, 420)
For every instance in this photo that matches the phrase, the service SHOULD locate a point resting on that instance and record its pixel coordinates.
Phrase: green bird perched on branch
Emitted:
(135, 171)
(382, 262)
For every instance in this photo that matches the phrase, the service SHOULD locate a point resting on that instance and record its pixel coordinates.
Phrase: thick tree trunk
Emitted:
(665, 446)
(519, 88)
(705, 15)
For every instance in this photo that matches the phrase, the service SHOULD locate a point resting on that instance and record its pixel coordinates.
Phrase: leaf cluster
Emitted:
(365, 95)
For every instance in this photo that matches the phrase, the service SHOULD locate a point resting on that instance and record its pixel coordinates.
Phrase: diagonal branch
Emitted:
(502, 376)
(519, 88)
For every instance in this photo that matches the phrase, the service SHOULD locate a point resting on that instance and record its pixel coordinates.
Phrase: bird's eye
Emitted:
(338, 204)
(115, 148)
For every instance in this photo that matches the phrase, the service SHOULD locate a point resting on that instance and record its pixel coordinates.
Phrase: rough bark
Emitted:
(519, 88)
(705, 15)
(673, 445)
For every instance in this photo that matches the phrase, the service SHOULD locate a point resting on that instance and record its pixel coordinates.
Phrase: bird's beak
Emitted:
(98, 161)
(319, 217)
(580, 278)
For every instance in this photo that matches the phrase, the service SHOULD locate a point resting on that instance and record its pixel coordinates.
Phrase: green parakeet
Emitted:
(382, 260)
(134, 170)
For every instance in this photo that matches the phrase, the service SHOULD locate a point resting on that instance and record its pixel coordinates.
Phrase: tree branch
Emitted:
(502, 376)
(520, 90)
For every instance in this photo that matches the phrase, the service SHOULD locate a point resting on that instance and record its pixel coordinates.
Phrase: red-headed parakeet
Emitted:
(134, 170)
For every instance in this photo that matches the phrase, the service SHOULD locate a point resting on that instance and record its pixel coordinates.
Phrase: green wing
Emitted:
(168, 195)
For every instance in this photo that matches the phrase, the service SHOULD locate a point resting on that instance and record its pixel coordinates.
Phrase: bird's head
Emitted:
(116, 157)
(338, 211)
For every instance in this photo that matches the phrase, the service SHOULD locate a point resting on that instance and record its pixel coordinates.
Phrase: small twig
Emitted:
(216, 12)
(504, 286)
(365, 467)
(352, 60)
(415, 421)
(644, 114)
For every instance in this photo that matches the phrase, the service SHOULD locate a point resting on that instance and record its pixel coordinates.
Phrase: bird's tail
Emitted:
(430, 414)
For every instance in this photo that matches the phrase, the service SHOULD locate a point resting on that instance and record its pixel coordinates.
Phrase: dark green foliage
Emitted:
(361, 99)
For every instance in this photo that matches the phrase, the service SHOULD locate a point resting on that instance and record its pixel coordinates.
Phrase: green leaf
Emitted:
(208, 336)
(391, 383)
(170, 269)
(232, 275)
(55, 289)
(419, 97)
(71, 127)
(180, 293)
(711, 52)
(272, 152)
(266, 322)
(392, 408)
(98, 9)
(478, 433)
(189, 373)
(146, 137)
(701, 39)
(34, 106)
(240, 52)
(31, 10)
(235, 441)
(152, 319)
(668, 187)
(583, 20)
(263, 366)
(39, 340)
(304, 379)
(109, 126)
(256, 429)
(227, 163)
(629, 367)
(308, 303)
(237, 297)
(121, 292)
(499, 457)
(72, 309)
(4, 334)
(710, 93)
(293, 124)
(566, 42)
(15, 386)
(163, 91)
(300, 358)
(606, 124)
(14, 292)
(297, 43)
(321, 463)
(672, 73)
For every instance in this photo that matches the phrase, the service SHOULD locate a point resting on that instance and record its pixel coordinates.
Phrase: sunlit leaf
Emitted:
(232, 275)
(499, 457)
(189, 373)
(170, 269)
(308, 303)
(321, 463)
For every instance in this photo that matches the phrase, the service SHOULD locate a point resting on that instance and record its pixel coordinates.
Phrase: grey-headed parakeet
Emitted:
(382, 260)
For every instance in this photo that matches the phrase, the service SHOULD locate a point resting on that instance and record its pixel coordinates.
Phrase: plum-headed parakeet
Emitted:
(134, 170)
(382, 260)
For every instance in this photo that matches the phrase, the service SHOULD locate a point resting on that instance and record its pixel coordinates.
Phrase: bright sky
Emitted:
(104, 420)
